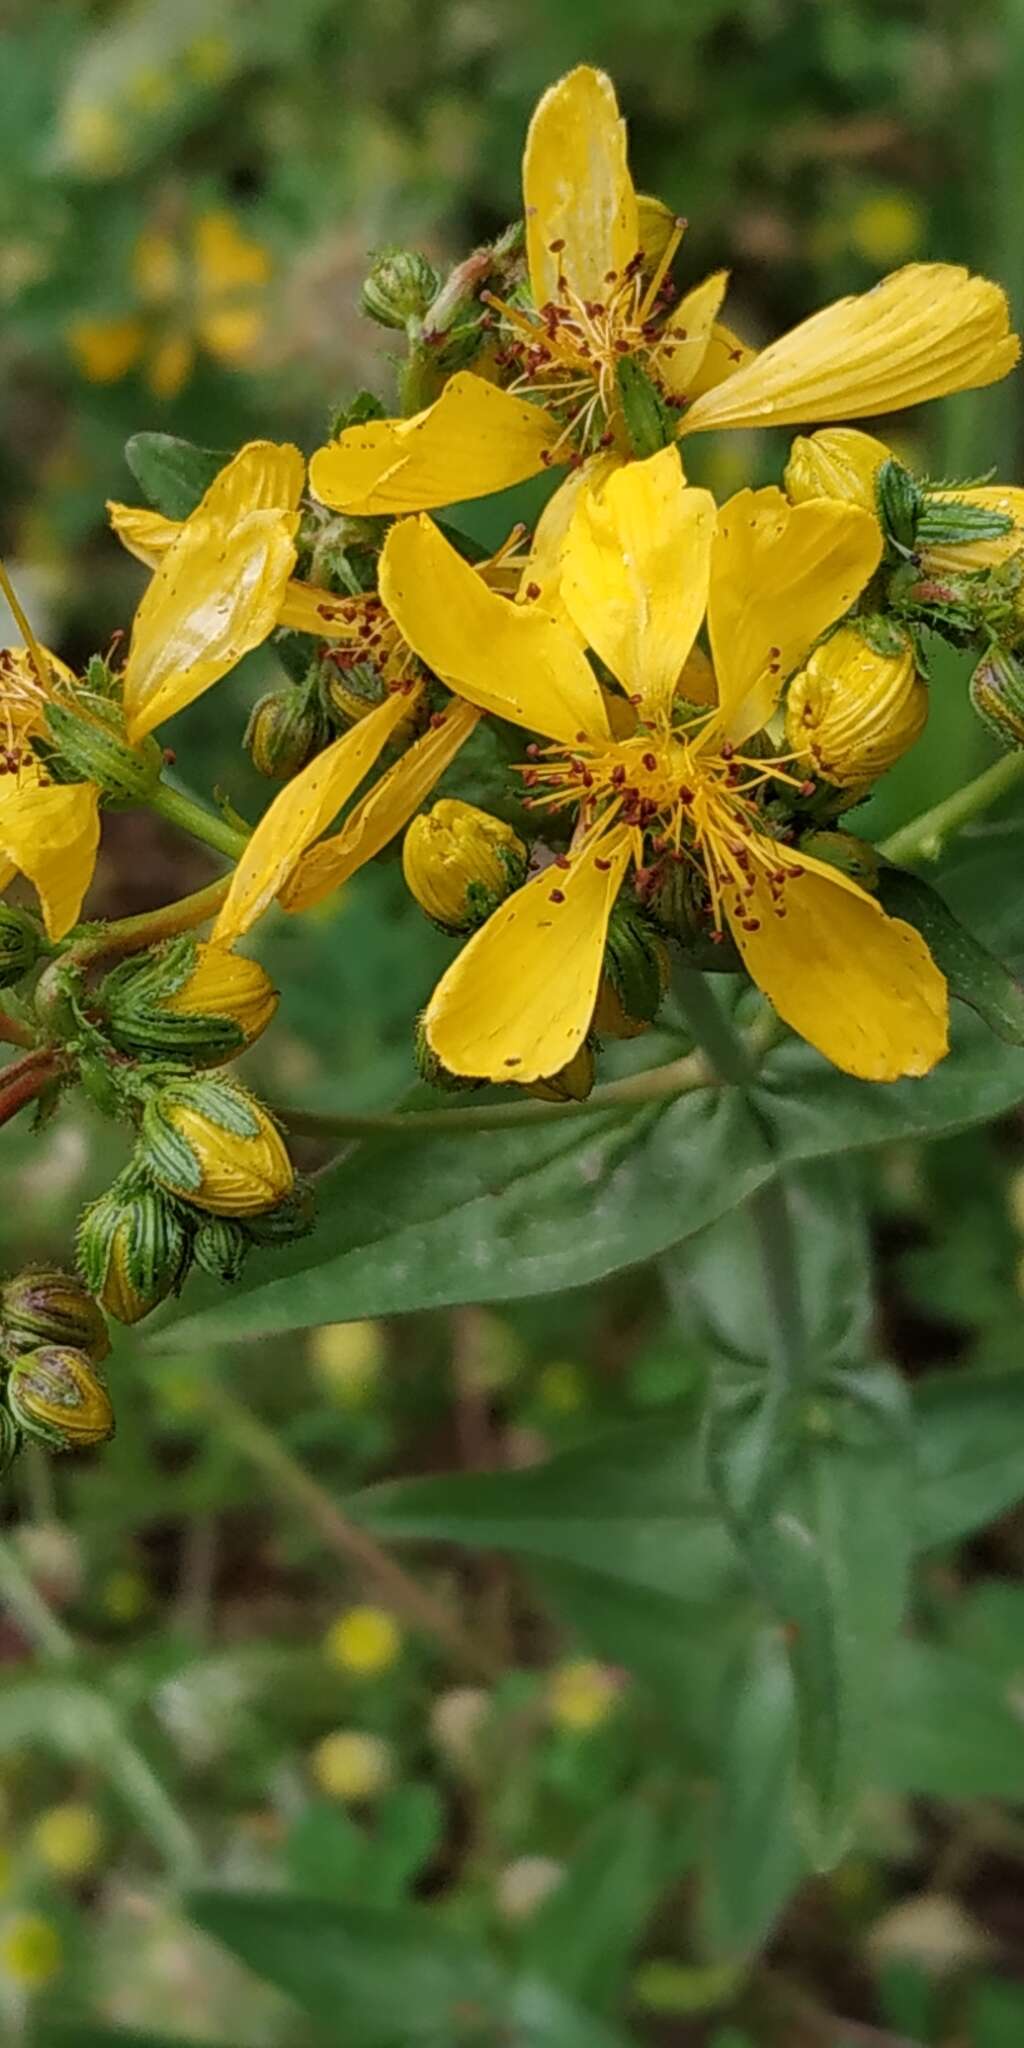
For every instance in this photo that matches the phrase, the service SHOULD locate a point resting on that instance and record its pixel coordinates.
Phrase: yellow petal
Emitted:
(683, 342)
(780, 574)
(146, 534)
(541, 580)
(635, 572)
(383, 812)
(308, 609)
(474, 440)
(577, 191)
(226, 259)
(657, 226)
(950, 560)
(169, 365)
(105, 350)
(517, 1003)
(50, 833)
(860, 986)
(504, 657)
(927, 330)
(265, 476)
(298, 815)
(724, 355)
(215, 595)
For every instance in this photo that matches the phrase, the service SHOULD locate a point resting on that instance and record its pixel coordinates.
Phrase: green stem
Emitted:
(727, 1052)
(193, 817)
(924, 837)
(147, 927)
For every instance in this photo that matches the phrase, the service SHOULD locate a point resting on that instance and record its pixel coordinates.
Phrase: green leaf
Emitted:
(174, 474)
(950, 1731)
(537, 2016)
(973, 973)
(80, 2034)
(408, 1827)
(582, 1937)
(327, 1853)
(382, 1977)
(969, 1449)
(754, 1859)
(996, 2014)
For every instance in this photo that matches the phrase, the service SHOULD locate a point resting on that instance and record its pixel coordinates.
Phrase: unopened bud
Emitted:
(191, 1000)
(47, 1306)
(286, 728)
(978, 527)
(133, 1248)
(220, 1247)
(211, 1143)
(460, 863)
(635, 975)
(21, 943)
(55, 1396)
(94, 748)
(400, 287)
(854, 710)
(289, 1220)
(572, 1083)
(10, 1441)
(837, 462)
(997, 694)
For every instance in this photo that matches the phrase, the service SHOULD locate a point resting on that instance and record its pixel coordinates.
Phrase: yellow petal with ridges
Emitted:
(635, 570)
(859, 985)
(475, 439)
(724, 355)
(683, 343)
(382, 812)
(577, 191)
(517, 1002)
(216, 594)
(505, 657)
(302, 810)
(541, 580)
(780, 574)
(927, 330)
(146, 534)
(50, 833)
(265, 476)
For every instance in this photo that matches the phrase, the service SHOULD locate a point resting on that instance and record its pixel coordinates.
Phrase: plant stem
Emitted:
(25, 1080)
(148, 927)
(194, 818)
(924, 837)
(13, 1032)
(347, 1539)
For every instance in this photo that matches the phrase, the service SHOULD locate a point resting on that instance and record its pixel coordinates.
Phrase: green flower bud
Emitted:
(460, 863)
(635, 974)
(650, 423)
(10, 1441)
(211, 1143)
(190, 999)
(94, 749)
(286, 728)
(291, 1219)
(899, 502)
(220, 1247)
(400, 287)
(572, 1083)
(133, 1248)
(46, 1306)
(21, 943)
(55, 1396)
(997, 694)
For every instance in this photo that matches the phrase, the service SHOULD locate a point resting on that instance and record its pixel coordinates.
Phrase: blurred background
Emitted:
(189, 191)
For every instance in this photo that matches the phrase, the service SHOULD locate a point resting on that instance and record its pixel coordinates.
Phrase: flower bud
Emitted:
(635, 975)
(853, 710)
(400, 287)
(837, 462)
(572, 1083)
(21, 943)
(220, 1247)
(94, 749)
(133, 1248)
(191, 1000)
(460, 863)
(286, 728)
(211, 1143)
(997, 694)
(292, 1218)
(10, 1441)
(977, 527)
(351, 1766)
(55, 1396)
(46, 1306)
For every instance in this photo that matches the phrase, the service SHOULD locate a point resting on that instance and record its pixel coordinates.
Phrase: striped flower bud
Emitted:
(46, 1306)
(292, 1218)
(10, 1440)
(190, 1000)
(21, 943)
(400, 287)
(211, 1143)
(853, 710)
(220, 1247)
(836, 462)
(997, 694)
(635, 975)
(93, 748)
(55, 1396)
(460, 863)
(133, 1248)
(286, 728)
(572, 1083)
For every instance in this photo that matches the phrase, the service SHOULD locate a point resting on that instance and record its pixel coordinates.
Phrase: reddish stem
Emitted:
(25, 1080)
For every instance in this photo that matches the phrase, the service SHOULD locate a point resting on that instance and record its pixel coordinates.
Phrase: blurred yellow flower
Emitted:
(31, 1952)
(347, 1360)
(364, 1642)
(203, 290)
(69, 1839)
(351, 1766)
(124, 1595)
(562, 1388)
(581, 1695)
(887, 227)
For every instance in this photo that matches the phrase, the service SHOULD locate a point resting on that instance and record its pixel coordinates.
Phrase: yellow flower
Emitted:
(205, 290)
(69, 1839)
(597, 264)
(642, 562)
(887, 227)
(49, 832)
(581, 1695)
(363, 1641)
(348, 1359)
(853, 710)
(31, 1951)
(351, 1766)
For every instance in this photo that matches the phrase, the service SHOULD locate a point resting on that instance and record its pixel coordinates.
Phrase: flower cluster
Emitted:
(692, 697)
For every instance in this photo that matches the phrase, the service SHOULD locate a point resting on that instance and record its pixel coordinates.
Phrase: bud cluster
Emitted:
(53, 1341)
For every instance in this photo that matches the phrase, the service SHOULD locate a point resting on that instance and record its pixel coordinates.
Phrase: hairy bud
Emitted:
(220, 1247)
(212, 1144)
(191, 1000)
(47, 1306)
(133, 1248)
(55, 1396)
(853, 710)
(400, 287)
(286, 728)
(997, 694)
(94, 749)
(21, 943)
(10, 1440)
(460, 863)
(291, 1219)
(837, 462)
(635, 975)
